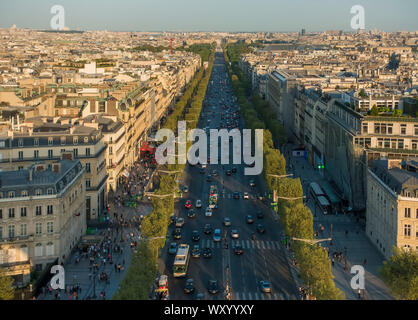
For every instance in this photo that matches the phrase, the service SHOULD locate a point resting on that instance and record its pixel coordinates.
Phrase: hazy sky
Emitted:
(211, 15)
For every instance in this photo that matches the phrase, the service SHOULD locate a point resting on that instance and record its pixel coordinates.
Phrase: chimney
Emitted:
(56, 167)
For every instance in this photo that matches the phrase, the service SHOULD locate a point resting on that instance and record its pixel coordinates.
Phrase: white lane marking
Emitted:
(236, 295)
(262, 244)
(248, 244)
(250, 296)
(243, 296)
(256, 296)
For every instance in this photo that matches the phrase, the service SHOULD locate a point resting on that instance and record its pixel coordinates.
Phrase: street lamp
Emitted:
(291, 199)
(312, 242)
(152, 194)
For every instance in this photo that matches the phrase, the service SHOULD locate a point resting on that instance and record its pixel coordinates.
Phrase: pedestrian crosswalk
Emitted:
(245, 244)
(257, 296)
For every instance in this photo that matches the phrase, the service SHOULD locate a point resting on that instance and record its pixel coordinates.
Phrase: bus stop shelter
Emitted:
(334, 199)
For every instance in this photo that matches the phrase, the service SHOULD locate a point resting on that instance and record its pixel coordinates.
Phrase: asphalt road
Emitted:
(263, 259)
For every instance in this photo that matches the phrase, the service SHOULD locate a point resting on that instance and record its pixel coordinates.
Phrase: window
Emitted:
(75, 152)
(11, 231)
(36, 142)
(110, 150)
(11, 213)
(38, 228)
(38, 210)
(20, 143)
(50, 141)
(365, 128)
(87, 152)
(24, 193)
(407, 212)
(87, 183)
(390, 128)
(75, 140)
(1, 233)
(377, 128)
(49, 249)
(50, 191)
(416, 213)
(1, 213)
(36, 154)
(20, 155)
(416, 130)
(86, 140)
(50, 154)
(49, 227)
(23, 229)
(38, 253)
(23, 212)
(400, 144)
(403, 128)
(12, 194)
(38, 192)
(88, 167)
(407, 230)
(49, 209)
(63, 141)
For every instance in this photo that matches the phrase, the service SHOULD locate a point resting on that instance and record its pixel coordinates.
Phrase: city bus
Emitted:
(324, 204)
(320, 198)
(181, 261)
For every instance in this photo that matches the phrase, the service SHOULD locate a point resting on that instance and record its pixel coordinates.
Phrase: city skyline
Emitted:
(216, 16)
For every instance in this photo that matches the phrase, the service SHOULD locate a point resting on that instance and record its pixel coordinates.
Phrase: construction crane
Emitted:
(171, 44)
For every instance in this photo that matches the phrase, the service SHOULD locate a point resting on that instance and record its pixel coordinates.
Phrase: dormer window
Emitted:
(20, 142)
(25, 193)
(75, 140)
(50, 141)
(38, 192)
(12, 194)
(86, 140)
(50, 191)
(36, 141)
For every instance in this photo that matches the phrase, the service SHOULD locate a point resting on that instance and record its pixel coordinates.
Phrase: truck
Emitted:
(213, 197)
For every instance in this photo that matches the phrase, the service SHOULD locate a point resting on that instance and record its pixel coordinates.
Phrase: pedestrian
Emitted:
(332, 261)
(359, 293)
(364, 262)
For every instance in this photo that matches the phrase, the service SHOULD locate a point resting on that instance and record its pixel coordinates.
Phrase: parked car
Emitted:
(208, 212)
(252, 183)
(198, 203)
(227, 222)
(234, 234)
(185, 189)
(207, 253)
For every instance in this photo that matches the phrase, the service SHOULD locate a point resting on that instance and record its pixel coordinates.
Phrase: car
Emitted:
(198, 203)
(185, 189)
(260, 228)
(195, 235)
(179, 222)
(234, 170)
(238, 250)
(189, 287)
(236, 195)
(214, 173)
(246, 195)
(260, 214)
(173, 248)
(252, 183)
(265, 286)
(200, 296)
(208, 212)
(227, 222)
(202, 171)
(234, 234)
(217, 235)
(191, 214)
(188, 204)
(228, 172)
(213, 286)
(173, 219)
(249, 219)
(196, 251)
(177, 233)
(209, 178)
(207, 253)
(207, 229)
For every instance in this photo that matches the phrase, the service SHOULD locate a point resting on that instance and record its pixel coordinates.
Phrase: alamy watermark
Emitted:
(58, 20)
(358, 20)
(357, 281)
(242, 144)
(58, 280)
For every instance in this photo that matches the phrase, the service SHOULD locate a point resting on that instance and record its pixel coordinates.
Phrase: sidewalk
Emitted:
(355, 244)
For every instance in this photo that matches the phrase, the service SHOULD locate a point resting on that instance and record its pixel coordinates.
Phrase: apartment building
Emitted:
(392, 205)
(113, 131)
(42, 216)
(50, 141)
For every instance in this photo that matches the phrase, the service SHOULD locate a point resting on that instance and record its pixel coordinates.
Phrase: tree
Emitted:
(401, 274)
(362, 93)
(397, 113)
(7, 291)
(374, 111)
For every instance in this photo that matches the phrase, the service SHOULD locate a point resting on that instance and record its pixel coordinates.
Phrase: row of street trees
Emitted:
(143, 269)
(297, 219)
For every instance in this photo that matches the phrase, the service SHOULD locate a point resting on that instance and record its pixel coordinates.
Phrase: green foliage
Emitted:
(315, 271)
(298, 221)
(374, 111)
(362, 93)
(140, 276)
(401, 274)
(7, 291)
(203, 49)
(397, 113)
